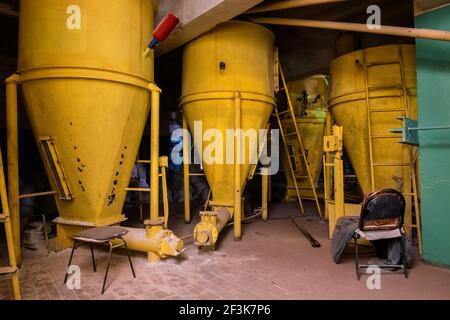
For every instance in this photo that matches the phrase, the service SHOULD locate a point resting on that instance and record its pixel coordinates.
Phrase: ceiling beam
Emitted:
(198, 17)
(423, 6)
(282, 5)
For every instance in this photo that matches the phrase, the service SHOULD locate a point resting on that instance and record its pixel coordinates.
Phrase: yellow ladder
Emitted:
(409, 183)
(12, 269)
(289, 149)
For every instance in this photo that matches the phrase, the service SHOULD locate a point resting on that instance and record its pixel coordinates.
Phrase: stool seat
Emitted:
(101, 234)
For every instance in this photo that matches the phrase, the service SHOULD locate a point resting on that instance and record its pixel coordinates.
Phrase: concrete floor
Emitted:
(273, 261)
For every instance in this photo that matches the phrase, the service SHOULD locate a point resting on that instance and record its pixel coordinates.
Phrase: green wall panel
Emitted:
(433, 74)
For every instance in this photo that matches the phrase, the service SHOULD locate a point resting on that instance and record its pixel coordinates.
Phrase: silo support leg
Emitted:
(237, 171)
(265, 191)
(186, 158)
(154, 151)
(12, 132)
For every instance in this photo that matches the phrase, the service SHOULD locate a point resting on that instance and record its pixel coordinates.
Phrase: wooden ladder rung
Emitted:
(8, 270)
(387, 137)
(290, 134)
(386, 86)
(391, 165)
(387, 110)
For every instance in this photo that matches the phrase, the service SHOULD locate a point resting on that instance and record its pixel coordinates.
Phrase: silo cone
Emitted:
(309, 97)
(385, 86)
(86, 87)
(230, 68)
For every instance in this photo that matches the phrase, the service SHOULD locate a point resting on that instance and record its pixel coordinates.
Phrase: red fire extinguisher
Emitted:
(164, 29)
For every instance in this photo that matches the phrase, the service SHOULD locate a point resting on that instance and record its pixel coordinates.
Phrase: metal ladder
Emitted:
(12, 269)
(409, 182)
(290, 149)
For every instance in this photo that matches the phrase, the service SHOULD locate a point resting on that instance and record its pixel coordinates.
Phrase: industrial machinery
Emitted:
(228, 84)
(309, 97)
(87, 84)
(370, 91)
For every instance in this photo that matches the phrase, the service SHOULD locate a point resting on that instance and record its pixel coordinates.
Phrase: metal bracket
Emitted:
(410, 134)
(410, 131)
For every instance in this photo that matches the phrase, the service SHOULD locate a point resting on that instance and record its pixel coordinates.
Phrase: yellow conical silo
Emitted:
(228, 83)
(309, 97)
(86, 85)
(370, 90)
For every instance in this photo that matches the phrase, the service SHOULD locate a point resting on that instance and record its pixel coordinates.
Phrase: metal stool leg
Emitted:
(129, 257)
(111, 247)
(404, 261)
(93, 258)
(70, 260)
(358, 275)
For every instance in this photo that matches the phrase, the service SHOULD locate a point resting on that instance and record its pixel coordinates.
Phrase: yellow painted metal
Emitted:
(156, 241)
(335, 207)
(87, 87)
(154, 152)
(264, 193)
(186, 180)
(6, 220)
(291, 155)
(228, 69)
(326, 168)
(309, 97)
(12, 136)
(206, 232)
(164, 164)
(370, 89)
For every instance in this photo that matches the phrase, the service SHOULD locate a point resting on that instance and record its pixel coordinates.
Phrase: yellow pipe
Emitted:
(12, 140)
(281, 5)
(206, 232)
(357, 27)
(187, 200)
(155, 241)
(265, 191)
(154, 151)
(237, 170)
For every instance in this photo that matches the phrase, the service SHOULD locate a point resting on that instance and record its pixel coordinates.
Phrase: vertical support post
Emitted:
(186, 162)
(326, 168)
(141, 211)
(265, 191)
(154, 152)
(339, 176)
(164, 164)
(237, 170)
(12, 133)
(339, 185)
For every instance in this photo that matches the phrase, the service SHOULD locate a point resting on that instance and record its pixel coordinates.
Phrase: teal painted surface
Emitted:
(433, 74)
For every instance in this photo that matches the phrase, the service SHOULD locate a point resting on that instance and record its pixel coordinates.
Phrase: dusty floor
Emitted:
(273, 261)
